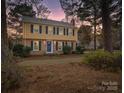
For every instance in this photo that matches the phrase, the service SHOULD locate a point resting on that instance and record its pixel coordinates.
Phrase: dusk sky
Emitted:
(55, 8)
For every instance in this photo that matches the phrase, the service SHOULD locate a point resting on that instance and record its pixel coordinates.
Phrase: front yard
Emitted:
(65, 74)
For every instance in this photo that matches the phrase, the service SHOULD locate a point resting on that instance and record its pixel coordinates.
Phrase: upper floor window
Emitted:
(32, 27)
(60, 31)
(46, 29)
(70, 31)
(50, 30)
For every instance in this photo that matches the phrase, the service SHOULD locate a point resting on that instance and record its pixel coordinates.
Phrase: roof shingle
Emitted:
(45, 21)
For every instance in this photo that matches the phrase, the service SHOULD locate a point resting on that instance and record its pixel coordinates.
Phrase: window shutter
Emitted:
(56, 45)
(57, 30)
(39, 45)
(31, 28)
(32, 45)
(67, 31)
(53, 30)
(40, 29)
(73, 32)
(46, 29)
(64, 31)
(63, 44)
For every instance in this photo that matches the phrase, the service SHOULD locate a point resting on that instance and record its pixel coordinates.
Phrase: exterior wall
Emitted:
(28, 35)
(43, 37)
(27, 42)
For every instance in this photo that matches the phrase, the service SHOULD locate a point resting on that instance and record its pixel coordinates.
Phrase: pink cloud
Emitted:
(57, 14)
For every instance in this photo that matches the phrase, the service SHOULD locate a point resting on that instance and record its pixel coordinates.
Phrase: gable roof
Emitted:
(45, 21)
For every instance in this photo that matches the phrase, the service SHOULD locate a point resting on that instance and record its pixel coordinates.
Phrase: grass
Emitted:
(68, 77)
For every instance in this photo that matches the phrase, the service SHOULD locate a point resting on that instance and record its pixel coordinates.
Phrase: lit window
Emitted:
(59, 46)
(50, 30)
(61, 31)
(35, 45)
(70, 32)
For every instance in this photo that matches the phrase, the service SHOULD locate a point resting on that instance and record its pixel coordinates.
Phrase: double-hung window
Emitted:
(36, 45)
(61, 31)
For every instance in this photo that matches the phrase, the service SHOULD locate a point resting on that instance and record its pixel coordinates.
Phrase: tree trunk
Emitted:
(94, 28)
(5, 56)
(106, 23)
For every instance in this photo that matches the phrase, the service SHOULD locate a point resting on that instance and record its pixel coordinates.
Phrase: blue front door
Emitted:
(49, 46)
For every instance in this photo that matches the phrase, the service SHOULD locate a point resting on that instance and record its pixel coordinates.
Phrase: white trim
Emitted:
(51, 47)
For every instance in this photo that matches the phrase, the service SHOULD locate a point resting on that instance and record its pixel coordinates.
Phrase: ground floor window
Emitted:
(59, 46)
(35, 45)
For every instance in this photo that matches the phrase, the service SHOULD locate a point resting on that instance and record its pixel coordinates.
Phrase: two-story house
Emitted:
(48, 36)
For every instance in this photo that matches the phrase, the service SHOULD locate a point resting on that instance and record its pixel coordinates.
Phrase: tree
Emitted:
(104, 8)
(106, 24)
(4, 37)
(117, 24)
(84, 35)
(14, 17)
(18, 8)
(38, 6)
(89, 11)
(40, 9)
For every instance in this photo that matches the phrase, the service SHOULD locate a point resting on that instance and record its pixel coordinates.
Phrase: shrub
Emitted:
(67, 49)
(79, 49)
(10, 76)
(117, 59)
(26, 51)
(21, 50)
(18, 50)
(104, 60)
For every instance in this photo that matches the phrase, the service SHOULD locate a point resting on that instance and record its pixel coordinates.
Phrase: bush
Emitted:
(104, 60)
(26, 51)
(79, 49)
(10, 76)
(67, 49)
(117, 59)
(21, 50)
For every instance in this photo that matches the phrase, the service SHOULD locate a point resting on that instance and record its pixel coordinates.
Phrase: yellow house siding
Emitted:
(28, 35)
